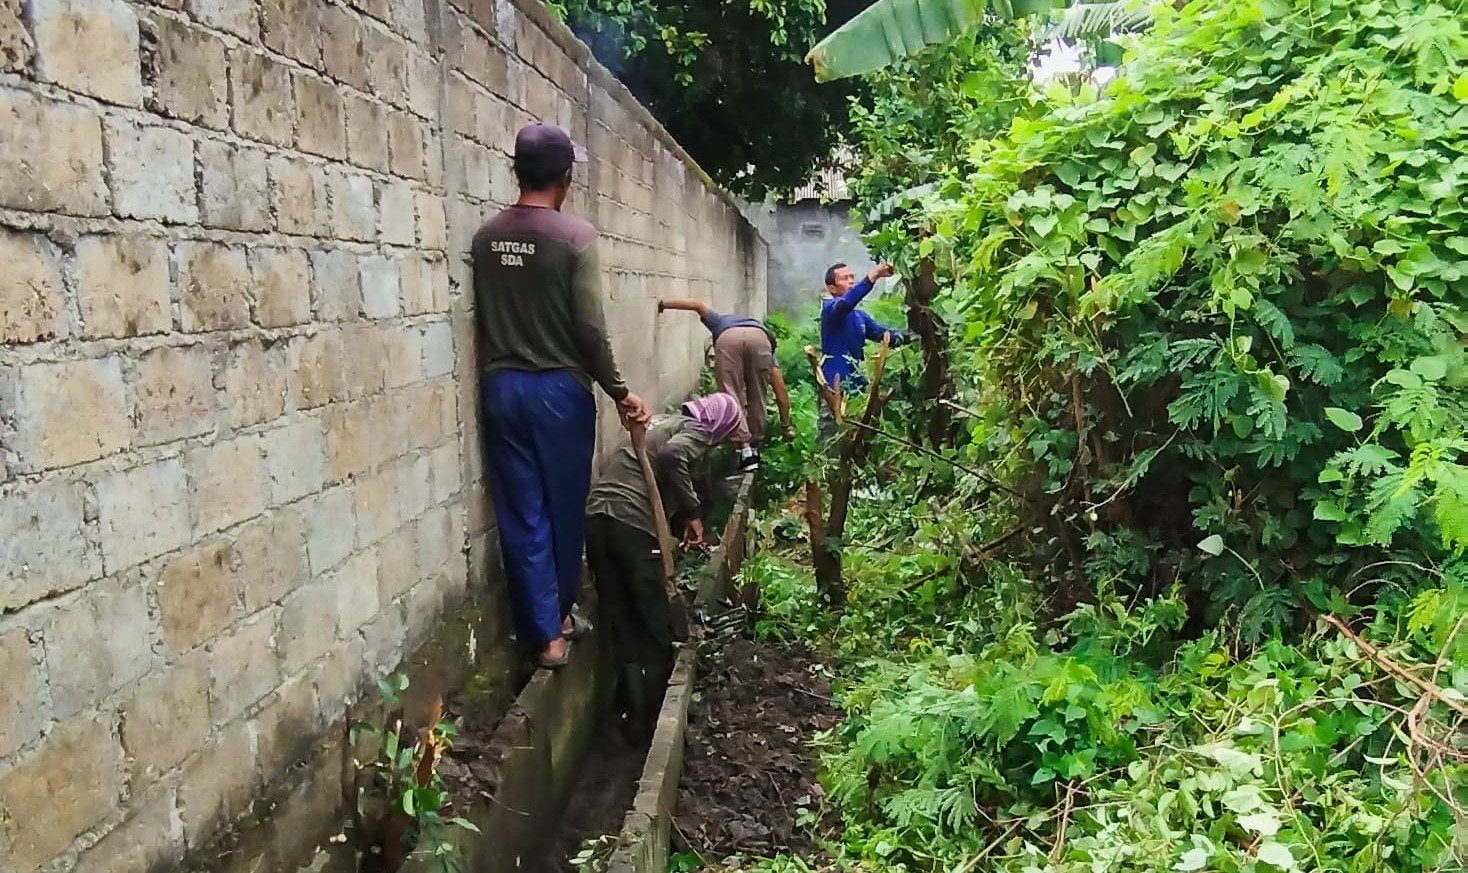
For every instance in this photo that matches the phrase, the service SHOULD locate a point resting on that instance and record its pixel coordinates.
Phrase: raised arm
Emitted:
(685, 304)
(852, 298)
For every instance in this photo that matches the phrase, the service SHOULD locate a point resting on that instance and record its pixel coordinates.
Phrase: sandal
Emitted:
(580, 627)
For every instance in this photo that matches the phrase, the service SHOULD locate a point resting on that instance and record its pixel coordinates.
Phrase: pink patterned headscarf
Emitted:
(718, 416)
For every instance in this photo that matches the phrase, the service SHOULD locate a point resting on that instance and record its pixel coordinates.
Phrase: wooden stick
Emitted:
(677, 606)
(1392, 667)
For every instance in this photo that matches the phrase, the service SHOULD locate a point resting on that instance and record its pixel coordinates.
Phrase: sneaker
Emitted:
(748, 460)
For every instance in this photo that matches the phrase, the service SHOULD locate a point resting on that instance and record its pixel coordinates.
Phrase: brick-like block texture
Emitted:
(239, 441)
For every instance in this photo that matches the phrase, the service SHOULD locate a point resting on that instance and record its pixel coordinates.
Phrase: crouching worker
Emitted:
(744, 365)
(622, 543)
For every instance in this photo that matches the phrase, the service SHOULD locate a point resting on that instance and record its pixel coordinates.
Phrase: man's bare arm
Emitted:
(782, 401)
(686, 304)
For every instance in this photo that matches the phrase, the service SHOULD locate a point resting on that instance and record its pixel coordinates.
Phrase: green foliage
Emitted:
(394, 779)
(889, 31)
(1208, 329)
(1220, 301)
(725, 77)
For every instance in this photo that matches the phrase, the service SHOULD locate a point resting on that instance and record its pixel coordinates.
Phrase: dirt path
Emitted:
(748, 773)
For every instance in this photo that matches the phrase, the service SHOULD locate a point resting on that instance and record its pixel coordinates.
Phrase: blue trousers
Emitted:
(540, 435)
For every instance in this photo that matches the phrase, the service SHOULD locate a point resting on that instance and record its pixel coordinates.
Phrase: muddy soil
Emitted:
(748, 774)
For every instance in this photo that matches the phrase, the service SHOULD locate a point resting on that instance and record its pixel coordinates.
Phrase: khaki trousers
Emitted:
(743, 360)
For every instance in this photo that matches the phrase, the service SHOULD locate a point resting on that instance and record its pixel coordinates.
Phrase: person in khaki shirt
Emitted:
(744, 366)
(543, 345)
(622, 542)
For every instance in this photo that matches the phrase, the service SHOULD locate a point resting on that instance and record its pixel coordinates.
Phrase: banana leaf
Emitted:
(890, 30)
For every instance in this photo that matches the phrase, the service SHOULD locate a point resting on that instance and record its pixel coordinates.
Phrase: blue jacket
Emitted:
(844, 333)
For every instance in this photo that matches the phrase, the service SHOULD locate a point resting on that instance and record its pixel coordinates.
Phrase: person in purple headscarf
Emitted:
(622, 544)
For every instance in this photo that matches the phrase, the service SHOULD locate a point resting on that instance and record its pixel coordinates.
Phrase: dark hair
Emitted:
(535, 176)
(831, 272)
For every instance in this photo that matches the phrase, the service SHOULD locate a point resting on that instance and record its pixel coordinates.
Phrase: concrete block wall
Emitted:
(239, 450)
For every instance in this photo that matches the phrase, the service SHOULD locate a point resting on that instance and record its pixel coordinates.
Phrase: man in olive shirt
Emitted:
(543, 343)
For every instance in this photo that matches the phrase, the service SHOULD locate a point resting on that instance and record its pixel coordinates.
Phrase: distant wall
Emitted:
(804, 239)
(239, 449)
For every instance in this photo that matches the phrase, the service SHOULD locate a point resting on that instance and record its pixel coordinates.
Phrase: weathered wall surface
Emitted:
(240, 466)
(804, 239)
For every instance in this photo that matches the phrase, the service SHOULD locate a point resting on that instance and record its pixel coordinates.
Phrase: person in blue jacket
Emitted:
(845, 329)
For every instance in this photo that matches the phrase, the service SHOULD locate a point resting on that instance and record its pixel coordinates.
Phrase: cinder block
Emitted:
(264, 103)
(438, 349)
(239, 17)
(302, 202)
(282, 280)
(387, 65)
(355, 584)
(150, 838)
(364, 364)
(376, 508)
(285, 729)
(446, 471)
(318, 369)
(414, 487)
(189, 74)
(254, 380)
(218, 785)
(53, 159)
(16, 47)
(196, 595)
(329, 521)
(336, 288)
(410, 19)
(32, 298)
(432, 230)
(226, 483)
(401, 355)
(89, 46)
(296, 456)
(367, 133)
(235, 187)
(399, 226)
(175, 394)
(384, 638)
(348, 441)
(338, 677)
(322, 126)
(243, 667)
(165, 720)
(423, 85)
(152, 171)
(380, 287)
(405, 141)
(309, 617)
(353, 206)
(69, 785)
(44, 546)
(397, 563)
(293, 28)
(214, 282)
(272, 558)
(68, 413)
(143, 512)
(123, 285)
(96, 642)
(342, 49)
(23, 711)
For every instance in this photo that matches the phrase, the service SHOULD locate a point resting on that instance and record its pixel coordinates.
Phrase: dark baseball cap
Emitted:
(546, 149)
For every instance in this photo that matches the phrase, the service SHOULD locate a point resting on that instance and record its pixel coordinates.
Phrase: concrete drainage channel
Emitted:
(544, 740)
